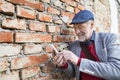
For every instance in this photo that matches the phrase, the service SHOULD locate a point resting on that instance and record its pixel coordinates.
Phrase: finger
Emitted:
(61, 63)
(60, 58)
(57, 59)
(57, 56)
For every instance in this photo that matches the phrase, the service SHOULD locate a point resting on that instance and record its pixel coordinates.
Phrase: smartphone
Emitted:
(53, 47)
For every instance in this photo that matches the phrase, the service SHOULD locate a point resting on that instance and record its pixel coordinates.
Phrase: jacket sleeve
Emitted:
(110, 69)
(70, 71)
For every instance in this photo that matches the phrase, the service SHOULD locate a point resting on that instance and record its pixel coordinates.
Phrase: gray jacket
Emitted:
(108, 52)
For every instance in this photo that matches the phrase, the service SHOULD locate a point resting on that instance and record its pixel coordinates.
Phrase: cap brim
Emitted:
(74, 22)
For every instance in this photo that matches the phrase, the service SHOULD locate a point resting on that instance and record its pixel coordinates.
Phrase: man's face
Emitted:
(83, 31)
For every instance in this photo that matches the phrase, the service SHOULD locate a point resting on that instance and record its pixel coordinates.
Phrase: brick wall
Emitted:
(118, 6)
(28, 26)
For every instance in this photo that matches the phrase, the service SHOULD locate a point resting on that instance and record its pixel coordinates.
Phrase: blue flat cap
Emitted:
(82, 16)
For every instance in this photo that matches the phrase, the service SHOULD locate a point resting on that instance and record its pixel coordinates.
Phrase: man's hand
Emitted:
(59, 60)
(64, 56)
(70, 56)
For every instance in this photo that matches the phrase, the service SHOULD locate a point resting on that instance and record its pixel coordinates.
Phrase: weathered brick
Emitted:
(25, 12)
(6, 37)
(68, 14)
(12, 76)
(77, 0)
(76, 10)
(45, 17)
(4, 65)
(47, 1)
(70, 2)
(63, 38)
(58, 4)
(51, 28)
(80, 7)
(29, 61)
(6, 7)
(69, 8)
(53, 10)
(37, 26)
(58, 21)
(48, 48)
(54, 29)
(57, 29)
(14, 24)
(30, 72)
(68, 31)
(9, 50)
(34, 4)
(32, 37)
(30, 49)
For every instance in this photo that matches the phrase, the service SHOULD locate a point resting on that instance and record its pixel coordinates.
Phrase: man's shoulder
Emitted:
(105, 35)
(74, 45)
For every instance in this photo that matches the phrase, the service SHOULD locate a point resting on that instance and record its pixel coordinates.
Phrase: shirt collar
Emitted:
(93, 36)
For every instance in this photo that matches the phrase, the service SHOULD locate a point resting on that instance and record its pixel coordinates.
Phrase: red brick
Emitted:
(14, 24)
(12, 76)
(36, 5)
(68, 31)
(30, 72)
(68, 14)
(6, 37)
(4, 65)
(54, 29)
(45, 17)
(9, 50)
(31, 49)
(63, 38)
(51, 28)
(58, 21)
(29, 61)
(48, 48)
(70, 2)
(57, 29)
(70, 9)
(47, 1)
(53, 10)
(58, 3)
(76, 10)
(37, 26)
(80, 7)
(25, 12)
(32, 37)
(6, 7)
(76, 0)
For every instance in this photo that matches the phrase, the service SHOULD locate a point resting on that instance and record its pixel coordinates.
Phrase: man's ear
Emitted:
(92, 24)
